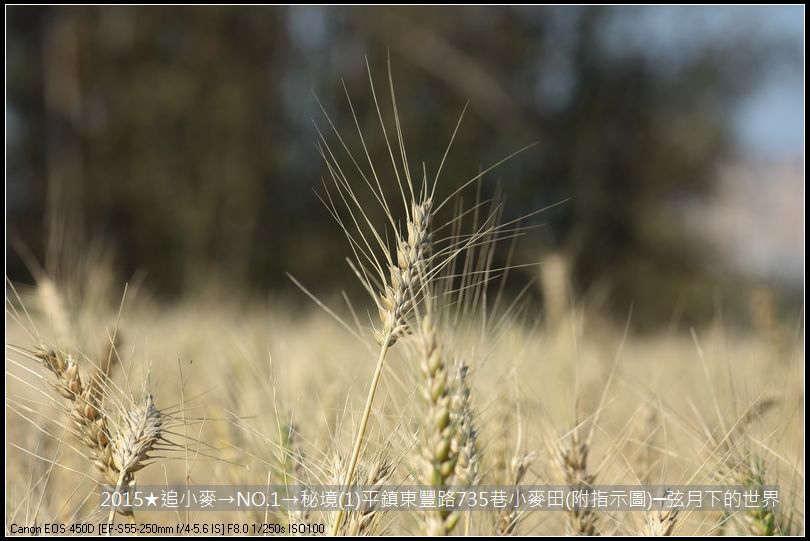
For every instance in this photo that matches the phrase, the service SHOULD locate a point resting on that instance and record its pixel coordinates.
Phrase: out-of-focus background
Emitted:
(181, 142)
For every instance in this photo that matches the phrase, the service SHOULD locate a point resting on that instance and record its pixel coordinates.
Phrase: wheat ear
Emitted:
(508, 519)
(439, 455)
(465, 442)
(120, 446)
(399, 295)
(395, 304)
(746, 468)
(136, 433)
(363, 519)
(660, 523)
(85, 415)
(573, 461)
(757, 520)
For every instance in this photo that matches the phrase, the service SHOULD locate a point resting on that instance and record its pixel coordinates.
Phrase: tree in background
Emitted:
(183, 135)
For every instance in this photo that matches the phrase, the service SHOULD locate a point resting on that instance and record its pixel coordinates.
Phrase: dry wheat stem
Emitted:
(361, 430)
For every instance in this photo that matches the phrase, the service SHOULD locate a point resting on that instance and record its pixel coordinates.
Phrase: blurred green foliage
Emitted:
(184, 136)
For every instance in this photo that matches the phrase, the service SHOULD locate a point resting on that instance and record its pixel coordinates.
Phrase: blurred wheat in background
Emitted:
(512, 312)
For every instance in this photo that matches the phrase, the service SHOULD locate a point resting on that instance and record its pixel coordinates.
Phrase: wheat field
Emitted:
(438, 376)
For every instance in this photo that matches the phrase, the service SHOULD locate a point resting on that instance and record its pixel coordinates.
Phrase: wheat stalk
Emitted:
(394, 305)
(647, 427)
(746, 468)
(757, 521)
(507, 519)
(52, 302)
(362, 519)
(572, 458)
(120, 443)
(396, 284)
(291, 468)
